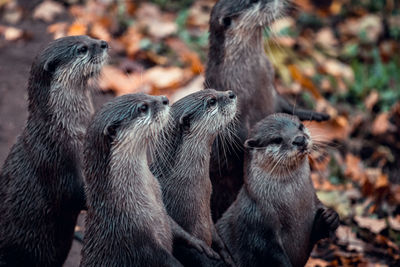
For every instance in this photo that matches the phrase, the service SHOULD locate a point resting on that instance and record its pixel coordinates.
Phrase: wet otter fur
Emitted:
(276, 218)
(41, 186)
(127, 224)
(182, 166)
(237, 62)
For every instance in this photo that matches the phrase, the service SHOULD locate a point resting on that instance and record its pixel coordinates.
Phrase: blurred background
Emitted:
(337, 56)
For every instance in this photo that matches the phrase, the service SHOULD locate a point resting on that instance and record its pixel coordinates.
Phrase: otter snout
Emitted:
(300, 142)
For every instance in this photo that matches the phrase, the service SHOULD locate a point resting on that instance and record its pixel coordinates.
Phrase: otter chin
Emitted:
(277, 217)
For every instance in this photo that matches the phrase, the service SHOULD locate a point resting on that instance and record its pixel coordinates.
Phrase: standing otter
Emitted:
(237, 62)
(41, 187)
(182, 164)
(277, 217)
(127, 224)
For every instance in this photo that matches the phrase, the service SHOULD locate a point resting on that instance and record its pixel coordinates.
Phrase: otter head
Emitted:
(203, 114)
(70, 60)
(278, 144)
(66, 64)
(233, 15)
(126, 125)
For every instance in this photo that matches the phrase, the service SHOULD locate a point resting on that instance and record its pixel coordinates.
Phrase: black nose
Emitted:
(103, 44)
(164, 100)
(231, 95)
(299, 141)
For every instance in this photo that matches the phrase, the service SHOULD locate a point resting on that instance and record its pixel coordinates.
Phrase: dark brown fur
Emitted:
(126, 224)
(237, 62)
(41, 187)
(182, 163)
(276, 218)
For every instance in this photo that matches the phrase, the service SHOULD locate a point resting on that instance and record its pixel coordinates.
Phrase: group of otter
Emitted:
(155, 178)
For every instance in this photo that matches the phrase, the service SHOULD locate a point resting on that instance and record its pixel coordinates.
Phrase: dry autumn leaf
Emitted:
(48, 10)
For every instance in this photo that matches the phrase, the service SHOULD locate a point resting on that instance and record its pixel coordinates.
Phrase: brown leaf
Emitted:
(381, 124)
(371, 99)
(13, 34)
(48, 10)
(354, 168)
(348, 238)
(304, 81)
(316, 263)
(114, 79)
(165, 78)
(374, 225)
(77, 28)
(336, 129)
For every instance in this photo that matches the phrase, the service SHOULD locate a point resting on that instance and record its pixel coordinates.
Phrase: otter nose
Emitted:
(231, 95)
(299, 141)
(164, 100)
(103, 44)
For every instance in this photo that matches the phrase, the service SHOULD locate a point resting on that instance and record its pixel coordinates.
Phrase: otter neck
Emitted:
(129, 171)
(263, 185)
(193, 158)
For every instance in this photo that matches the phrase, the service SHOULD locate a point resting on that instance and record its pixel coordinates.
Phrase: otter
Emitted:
(182, 165)
(277, 217)
(41, 185)
(237, 62)
(127, 224)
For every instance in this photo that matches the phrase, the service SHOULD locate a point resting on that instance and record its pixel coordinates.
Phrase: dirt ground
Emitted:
(15, 61)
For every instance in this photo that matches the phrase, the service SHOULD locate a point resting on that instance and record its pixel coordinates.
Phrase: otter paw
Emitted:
(226, 257)
(327, 221)
(201, 246)
(331, 219)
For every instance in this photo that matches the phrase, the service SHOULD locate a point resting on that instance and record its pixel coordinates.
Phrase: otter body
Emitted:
(277, 217)
(126, 224)
(182, 162)
(41, 186)
(237, 62)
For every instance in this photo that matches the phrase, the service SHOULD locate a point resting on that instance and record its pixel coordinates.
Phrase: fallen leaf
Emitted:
(394, 222)
(48, 10)
(164, 78)
(316, 263)
(114, 79)
(13, 34)
(347, 238)
(374, 225)
(77, 28)
(335, 129)
(354, 168)
(371, 99)
(381, 124)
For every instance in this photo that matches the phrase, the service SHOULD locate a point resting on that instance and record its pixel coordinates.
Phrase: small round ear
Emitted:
(251, 143)
(50, 65)
(111, 130)
(226, 22)
(184, 121)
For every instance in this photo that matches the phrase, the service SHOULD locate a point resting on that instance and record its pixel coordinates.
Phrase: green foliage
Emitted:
(198, 42)
(383, 77)
(173, 5)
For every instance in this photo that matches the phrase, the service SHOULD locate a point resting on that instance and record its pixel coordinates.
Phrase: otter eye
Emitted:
(83, 49)
(276, 141)
(227, 21)
(253, 1)
(143, 108)
(212, 102)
